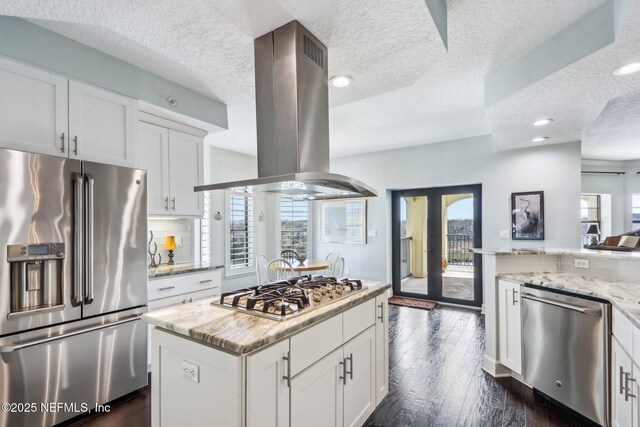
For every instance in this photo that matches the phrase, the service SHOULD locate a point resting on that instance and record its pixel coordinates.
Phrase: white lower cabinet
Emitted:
(382, 347)
(509, 326)
(267, 387)
(317, 394)
(194, 385)
(621, 403)
(360, 384)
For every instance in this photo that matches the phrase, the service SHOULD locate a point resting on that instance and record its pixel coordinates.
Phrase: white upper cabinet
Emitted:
(186, 171)
(102, 125)
(153, 156)
(174, 163)
(33, 110)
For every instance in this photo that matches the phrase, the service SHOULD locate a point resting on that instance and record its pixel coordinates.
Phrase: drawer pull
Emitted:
(166, 288)
(202, 282)
(287, 377)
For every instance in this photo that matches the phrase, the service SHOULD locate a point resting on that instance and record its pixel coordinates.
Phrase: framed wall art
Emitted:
(527, 215)
(343, 221)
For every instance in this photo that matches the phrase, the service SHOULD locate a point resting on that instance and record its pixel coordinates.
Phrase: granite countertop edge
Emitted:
(560, 251)
(622, 295)
(264, 334)
(189, 270)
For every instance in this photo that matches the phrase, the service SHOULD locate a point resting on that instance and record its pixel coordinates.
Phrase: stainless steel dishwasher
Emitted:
(565, 347)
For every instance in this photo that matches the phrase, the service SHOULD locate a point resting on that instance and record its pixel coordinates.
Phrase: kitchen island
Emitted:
(327, 366)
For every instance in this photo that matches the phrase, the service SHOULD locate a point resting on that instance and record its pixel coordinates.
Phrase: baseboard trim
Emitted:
(494, 368)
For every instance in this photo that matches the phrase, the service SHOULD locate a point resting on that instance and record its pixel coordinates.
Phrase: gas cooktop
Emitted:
(284, 299)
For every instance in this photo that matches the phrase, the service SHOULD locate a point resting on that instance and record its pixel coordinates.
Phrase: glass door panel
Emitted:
(457, 242)
(413, 245)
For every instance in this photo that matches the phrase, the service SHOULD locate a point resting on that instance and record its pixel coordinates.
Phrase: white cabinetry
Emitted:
(174, 163)
(360, 384)
(195, 385)
(382, 347)
(317, 394)
(625, 348)
(267, 387)
(509, 326)
(45, 113)
(33, 110)
(102, 125)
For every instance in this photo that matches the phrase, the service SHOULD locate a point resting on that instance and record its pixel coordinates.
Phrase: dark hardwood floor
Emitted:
(435, 380)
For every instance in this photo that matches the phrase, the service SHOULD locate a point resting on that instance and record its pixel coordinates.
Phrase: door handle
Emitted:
(350, 371)
(287, 377)
(344, 372)
(583, 310)
(88, 298)
(75, 145)
(381, 317)
(62, 145)
(627, 379)
(173, 202)
(17, 346)
(78, 243)
(166, 203)
(513, 296)
(622, 384)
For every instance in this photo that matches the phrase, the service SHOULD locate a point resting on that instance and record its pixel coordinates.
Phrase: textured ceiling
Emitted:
(408, 90)
(575, 98)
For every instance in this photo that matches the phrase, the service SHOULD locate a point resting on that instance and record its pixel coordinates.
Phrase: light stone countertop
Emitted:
(624, 296)
(240, 333)
(582, 252)
(165, 270)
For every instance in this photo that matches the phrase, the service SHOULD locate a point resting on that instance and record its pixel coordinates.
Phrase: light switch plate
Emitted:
(504, 234)
(191, 371)
(581, 263)
(346, 271)
(372, 233)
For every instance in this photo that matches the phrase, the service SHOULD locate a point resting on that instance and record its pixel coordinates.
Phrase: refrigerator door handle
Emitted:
(18, 346)
(78, 244)
(89, 252)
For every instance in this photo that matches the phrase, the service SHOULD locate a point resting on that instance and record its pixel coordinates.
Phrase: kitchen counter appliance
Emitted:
(565, 341)
(73, 282)
(284, 299)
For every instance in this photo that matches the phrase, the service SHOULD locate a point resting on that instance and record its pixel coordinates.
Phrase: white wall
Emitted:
(554, 169)
(231, 166)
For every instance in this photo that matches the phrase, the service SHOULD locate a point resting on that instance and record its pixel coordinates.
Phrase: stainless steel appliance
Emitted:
(292, 118)
(565, 342)
(284, 299)
(72, 285)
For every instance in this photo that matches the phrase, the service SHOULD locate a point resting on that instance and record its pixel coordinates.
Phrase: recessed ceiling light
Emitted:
(625, 70)
(540, 139)
(341, 81)
(542, 122)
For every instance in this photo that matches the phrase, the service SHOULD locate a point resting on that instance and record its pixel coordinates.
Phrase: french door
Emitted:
(433, 233)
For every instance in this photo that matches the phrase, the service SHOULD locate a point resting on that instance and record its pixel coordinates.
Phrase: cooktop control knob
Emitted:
(60, 254)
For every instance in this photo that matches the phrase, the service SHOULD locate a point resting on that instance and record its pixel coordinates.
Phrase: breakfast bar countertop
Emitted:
(622, 295)
(240, 333)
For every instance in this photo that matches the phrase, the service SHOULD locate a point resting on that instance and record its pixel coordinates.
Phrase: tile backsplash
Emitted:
(182, 229)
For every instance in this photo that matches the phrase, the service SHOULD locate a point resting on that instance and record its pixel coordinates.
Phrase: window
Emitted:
(589, 213)
(635, 208)
(294, 226)
(240, 233)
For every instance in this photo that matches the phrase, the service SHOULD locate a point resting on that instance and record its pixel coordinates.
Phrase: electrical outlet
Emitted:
(581, 263)
(504, 234)
(372, 233)
(191, 371)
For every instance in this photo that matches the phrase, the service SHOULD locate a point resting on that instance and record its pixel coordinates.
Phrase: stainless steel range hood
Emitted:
(292, 112)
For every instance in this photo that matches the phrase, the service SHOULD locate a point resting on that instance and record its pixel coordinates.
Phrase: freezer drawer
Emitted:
(72, 373)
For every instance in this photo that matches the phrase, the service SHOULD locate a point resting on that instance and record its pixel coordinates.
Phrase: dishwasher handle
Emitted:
(583, 310)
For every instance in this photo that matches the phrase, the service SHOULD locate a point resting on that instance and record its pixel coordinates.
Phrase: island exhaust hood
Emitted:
(292, 112)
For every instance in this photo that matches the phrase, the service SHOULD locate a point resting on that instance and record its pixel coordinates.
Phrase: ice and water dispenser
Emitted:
(36, 277)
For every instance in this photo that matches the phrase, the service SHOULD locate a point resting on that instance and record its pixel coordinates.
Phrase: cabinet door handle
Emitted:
(627, 379)
(166, 288)
(202, 282)
(622, 385)
(344, 372)
(173, 202)
(513, 296)
(62, 145)
(350, 371)
(75, 145)
(166, 203)
(191, 299)
(381, 317)
(287, 377)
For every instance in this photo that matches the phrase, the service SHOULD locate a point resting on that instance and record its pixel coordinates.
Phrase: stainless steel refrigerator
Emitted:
(73, 280)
